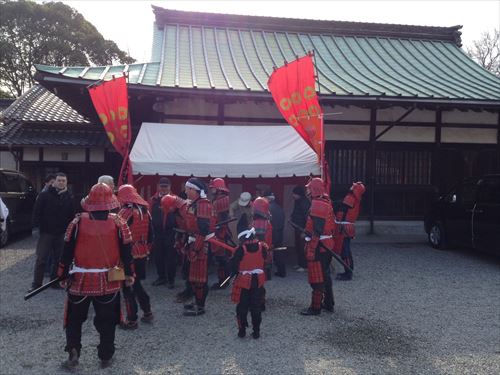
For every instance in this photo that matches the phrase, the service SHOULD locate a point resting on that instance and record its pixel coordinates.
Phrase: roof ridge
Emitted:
(167, 16)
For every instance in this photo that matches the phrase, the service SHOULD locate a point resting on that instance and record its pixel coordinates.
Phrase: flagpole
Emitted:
(322, 134)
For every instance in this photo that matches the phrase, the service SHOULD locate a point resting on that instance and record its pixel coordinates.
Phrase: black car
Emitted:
(19, 195)
(468, 215)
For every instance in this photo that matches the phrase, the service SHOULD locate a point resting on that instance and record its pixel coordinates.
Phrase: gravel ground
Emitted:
(409, 310)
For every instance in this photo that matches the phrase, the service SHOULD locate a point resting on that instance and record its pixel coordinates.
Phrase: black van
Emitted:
(19, 195)
(468, 215)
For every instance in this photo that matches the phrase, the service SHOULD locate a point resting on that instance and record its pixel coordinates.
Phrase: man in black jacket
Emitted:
(164, 253)
(53, 211)
(299, 216)
(278, 225)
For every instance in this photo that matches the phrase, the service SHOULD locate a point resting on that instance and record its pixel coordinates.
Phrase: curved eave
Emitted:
(50, 81)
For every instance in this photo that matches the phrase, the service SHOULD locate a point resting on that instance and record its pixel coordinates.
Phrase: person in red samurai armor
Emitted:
(220, 205)
(199, 222)
(135, 212)
(98, 243)
(320, 226)
(248, 263)
(346, 213)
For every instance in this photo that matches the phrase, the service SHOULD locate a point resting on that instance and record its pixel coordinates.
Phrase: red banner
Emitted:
(110, 101)
(293, 88)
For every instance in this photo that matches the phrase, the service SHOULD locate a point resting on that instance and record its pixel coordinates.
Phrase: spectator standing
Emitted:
(48, 182)
(164, 252)
(278, 226)
(300, 211)
(53, 211)
(242, 206)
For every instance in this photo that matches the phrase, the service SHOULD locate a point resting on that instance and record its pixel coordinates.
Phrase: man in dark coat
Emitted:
(300, 211)
(164, 253)
(53, 211)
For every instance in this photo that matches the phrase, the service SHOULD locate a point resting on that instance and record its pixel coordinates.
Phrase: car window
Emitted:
(489, 191)
(11, 182)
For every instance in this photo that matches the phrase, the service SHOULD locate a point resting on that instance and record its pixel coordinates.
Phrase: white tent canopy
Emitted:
(232, 151)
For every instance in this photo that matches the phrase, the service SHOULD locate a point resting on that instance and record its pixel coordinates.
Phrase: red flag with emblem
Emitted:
(110, 99)
(293, 88)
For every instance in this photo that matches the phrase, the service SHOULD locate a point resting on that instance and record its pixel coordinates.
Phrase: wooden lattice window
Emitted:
(348, 165)
(403, 167)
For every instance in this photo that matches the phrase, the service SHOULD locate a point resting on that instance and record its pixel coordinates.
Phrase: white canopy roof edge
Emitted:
(228, 150)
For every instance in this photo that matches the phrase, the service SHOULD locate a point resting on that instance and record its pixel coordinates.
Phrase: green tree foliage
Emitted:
(486, 51)
(51, 34)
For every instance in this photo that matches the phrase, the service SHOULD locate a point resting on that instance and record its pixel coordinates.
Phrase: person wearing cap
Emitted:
(134, 210)
(301, 207)
(242, 206)
(320, 227)
(278, 226)
(199, 223)
(98, 243)
(248, 290)
(220, 205)
(164, 252)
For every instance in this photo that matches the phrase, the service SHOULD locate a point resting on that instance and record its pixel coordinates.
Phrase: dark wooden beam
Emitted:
(372, 152)
(397, 122)
(436, 153)
(220, 113)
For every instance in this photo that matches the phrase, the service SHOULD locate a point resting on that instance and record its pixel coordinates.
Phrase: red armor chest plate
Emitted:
(189, 216)
(220, 205)
(140, 226)
(97, 243)
(252, 261)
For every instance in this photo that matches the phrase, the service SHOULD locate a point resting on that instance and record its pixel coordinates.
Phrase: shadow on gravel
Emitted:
(21, 323)
(473, 254)
(375, 338)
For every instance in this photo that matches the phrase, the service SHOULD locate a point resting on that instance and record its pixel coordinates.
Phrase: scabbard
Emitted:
(42, 288)
(334, 254)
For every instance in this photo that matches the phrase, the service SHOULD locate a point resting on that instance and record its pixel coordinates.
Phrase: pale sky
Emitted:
(130, 23)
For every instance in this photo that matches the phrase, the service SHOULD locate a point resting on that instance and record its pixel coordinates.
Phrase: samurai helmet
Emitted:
(316, 187)
(100, 198)
(260, 206)
(128, 194)
(218, 184)
(355, 192)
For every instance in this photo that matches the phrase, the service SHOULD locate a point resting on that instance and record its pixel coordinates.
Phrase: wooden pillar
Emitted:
(220, 114)
(436, 155)
(372, 165)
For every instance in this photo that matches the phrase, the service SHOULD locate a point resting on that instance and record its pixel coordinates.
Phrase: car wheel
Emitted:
(4, 236)
(436, 236)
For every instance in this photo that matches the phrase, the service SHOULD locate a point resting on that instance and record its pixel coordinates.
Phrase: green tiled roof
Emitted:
(222, 52)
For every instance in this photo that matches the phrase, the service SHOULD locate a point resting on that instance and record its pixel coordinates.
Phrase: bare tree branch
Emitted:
(486, 51)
